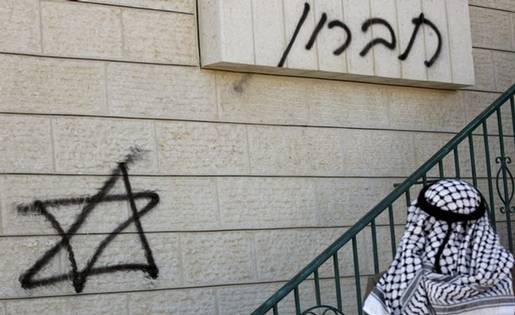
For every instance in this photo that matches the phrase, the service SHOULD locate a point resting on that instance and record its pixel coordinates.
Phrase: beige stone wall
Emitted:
(256, 173)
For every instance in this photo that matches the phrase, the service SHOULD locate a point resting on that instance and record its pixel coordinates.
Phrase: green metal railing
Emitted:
(482, 148)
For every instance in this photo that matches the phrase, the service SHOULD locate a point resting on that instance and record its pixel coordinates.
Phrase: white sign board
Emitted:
(411, 42)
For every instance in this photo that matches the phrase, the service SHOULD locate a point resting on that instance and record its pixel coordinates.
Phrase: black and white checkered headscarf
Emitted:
(449, 260)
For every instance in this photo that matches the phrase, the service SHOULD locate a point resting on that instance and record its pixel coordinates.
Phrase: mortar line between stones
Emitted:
(490, 8)
(245, 230)
(200, 287)
(4, 52)
(122, 6)
(157, 119)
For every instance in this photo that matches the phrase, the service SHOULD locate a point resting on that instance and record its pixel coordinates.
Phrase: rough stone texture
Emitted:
(504, 65)
(80, 305)
(108, 32)
(282, 253)
(26, 144)
(198, 301)
(266, 99)
(334, 103)
(491, 28)
(127, 248)
(45, 85)
(513, 29)
(1, 209)
(316, 151)
(24, 251)
(484, 70)
(476, 102)
(341, 202)
(24, 189)
(258, 98)
(414, 109)
(75, 29)
(217, 258)
(295, 151)
(377, 153)
(19, 22)
(161, 91)
(244, 202)
(202, 148)
(185, 203)
(160, 37)
(427, 144)
(86, 145)
(18, 255)
(499, 4)
(186, 6)
(267, 202)
(292, 216)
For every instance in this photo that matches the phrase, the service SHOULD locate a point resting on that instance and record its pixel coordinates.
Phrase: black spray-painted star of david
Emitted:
(79, 277)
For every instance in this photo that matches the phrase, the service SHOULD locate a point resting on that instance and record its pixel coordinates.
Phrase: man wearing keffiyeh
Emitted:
(449, 260)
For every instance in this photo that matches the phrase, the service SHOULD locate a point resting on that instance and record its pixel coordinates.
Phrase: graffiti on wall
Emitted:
(389, 43)
(88, 205)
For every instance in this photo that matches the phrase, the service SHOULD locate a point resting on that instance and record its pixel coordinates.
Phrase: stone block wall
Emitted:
(256, 173)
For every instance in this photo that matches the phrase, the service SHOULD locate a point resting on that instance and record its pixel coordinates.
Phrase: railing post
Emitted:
(489, 176)
(503, 162)
(374, 246)
(440, 169)
(392, 230)
(317, 288)
(336, 267)
(297, 300)
(357, 274)
(472, 160)
(457, 162)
